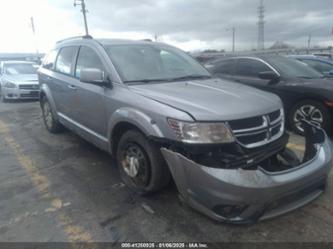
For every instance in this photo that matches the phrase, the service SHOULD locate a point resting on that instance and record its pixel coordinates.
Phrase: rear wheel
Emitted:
(51, 124)
(312, 111)
(141, 164)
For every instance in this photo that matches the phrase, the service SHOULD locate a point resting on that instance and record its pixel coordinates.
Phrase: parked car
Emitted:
(321, 64)
(18, 80)
(162, 115)
(305, 93)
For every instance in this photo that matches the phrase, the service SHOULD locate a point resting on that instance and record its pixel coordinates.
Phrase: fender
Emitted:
(135, 117)
(46, 90)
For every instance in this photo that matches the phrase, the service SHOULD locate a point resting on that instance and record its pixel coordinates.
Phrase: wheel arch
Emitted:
(129, 118)
(305, 98)
(46, 92)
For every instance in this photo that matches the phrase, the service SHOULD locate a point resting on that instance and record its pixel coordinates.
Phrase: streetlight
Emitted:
(233, 29)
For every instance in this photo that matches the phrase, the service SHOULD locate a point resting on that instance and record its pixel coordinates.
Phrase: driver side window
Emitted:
(87, 58)
(251, 68)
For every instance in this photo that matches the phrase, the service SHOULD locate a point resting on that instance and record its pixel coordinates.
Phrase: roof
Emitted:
(17, 62)
(103, 41)
(313, 57)
(122, 41)
(259, 56)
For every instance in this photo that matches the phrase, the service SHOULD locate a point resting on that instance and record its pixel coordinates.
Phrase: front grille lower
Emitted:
(29, 87)
(34, 94)
(260, 130)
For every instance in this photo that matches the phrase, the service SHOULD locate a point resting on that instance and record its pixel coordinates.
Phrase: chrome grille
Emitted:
(260, 130)
(29, 87)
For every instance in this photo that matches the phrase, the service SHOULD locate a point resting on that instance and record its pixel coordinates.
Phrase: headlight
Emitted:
(9, 84)
(201, 133)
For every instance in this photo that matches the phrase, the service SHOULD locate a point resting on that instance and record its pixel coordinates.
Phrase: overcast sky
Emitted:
(188, 24)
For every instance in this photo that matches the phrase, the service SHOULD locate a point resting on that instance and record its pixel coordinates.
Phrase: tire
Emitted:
(51, 124)
(140, 163)
(313, 111)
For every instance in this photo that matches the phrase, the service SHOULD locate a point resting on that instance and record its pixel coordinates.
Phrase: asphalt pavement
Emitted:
(61, 188)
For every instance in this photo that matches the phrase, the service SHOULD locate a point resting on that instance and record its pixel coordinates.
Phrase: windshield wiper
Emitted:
(186, 77)
(312, 78)
(146, 80)
(193, 77)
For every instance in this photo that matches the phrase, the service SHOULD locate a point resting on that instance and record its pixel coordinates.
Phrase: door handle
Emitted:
(72, 87)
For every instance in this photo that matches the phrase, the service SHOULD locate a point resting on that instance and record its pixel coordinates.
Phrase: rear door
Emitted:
(88, 102)
(62, 81)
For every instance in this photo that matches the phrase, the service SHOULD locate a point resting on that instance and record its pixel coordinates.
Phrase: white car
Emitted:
(18, 80)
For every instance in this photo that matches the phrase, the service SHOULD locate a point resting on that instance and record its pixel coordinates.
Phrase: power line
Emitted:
(261, 26)
(84, 12)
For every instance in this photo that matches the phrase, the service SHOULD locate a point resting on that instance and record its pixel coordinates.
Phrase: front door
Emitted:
(88, 102)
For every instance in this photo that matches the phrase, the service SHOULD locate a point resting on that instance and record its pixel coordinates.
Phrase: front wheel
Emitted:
(141, 164)
(51, 124)
(312, 111)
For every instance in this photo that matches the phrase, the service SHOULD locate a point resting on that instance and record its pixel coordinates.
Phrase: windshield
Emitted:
(293, 68)
(145, 63)
(19, 68)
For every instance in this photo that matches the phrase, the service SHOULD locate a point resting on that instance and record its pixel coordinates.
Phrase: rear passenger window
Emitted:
(49, 60)
(251, 68)
(87, 59)
(65, 60)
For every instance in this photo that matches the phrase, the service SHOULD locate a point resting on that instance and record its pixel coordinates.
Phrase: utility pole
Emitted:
(84, 12)
(32, 24)
(261, 26)
(309, 43)
(233, 29)
(233, 39)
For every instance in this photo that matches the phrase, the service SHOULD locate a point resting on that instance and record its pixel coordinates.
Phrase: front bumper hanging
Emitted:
(249, 195)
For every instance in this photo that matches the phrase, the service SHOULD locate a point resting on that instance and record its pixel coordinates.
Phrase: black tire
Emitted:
(320, 111)
(51, 124)
(152, 172)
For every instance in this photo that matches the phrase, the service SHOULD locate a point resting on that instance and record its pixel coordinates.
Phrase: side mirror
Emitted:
(271, 76)
(330, 73)
(94, 76)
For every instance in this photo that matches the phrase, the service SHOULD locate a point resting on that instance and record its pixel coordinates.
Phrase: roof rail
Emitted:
(76, 37)
(147, 40)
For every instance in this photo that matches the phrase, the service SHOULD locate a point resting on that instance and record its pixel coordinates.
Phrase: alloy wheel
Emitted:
(309, 113)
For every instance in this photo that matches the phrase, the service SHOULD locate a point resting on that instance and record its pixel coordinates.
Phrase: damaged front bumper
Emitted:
(251, 195)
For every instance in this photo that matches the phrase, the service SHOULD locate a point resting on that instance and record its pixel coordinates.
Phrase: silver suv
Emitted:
(163, 116)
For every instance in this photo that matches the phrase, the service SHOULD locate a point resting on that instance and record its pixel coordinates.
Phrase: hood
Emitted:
(212, 99)
(22, 78)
